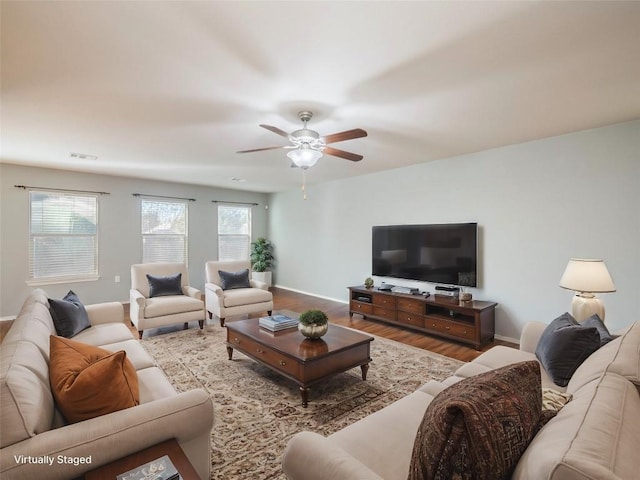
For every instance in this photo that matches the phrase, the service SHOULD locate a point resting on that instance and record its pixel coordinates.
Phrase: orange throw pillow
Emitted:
(88, 381)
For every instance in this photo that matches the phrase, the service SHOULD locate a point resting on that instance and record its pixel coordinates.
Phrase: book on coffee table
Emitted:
(277, 322)
(159, 469)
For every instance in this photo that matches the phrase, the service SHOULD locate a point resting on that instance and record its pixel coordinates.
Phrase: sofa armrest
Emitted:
(184, 417)
(136, 297)
(259, 284)
(192, 292)
(530, 337)
(310, 456)
(215, 289)
(110, 312)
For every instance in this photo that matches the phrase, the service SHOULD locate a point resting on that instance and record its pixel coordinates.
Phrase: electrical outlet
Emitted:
(117, 279)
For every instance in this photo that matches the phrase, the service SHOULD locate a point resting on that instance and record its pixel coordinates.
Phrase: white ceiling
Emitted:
(171, 90)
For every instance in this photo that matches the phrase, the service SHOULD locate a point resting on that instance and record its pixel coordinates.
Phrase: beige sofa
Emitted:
(31, 425)
(595, 436)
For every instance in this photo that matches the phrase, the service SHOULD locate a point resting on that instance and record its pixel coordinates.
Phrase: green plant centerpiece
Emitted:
(261, 255)
(313, 324)
(368, 282)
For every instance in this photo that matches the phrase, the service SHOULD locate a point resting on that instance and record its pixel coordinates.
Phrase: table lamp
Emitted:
(586, 277)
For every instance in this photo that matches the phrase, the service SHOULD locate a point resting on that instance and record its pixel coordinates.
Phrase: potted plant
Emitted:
(368, 282)
(262, 260)
(313, 323)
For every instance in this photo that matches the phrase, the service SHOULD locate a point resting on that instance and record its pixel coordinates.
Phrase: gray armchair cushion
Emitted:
(160, 286)
(231, 280)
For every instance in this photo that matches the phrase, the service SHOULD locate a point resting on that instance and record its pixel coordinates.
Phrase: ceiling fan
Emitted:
(307, 146)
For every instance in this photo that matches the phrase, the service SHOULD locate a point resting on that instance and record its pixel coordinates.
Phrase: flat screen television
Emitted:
(437, 253)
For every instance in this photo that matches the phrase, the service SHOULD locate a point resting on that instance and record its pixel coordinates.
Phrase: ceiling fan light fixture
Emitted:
(304, 156)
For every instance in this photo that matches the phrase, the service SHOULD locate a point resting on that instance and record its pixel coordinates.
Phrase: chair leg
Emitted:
(201, 323)
(140, 334)
(221, 321)
(186, 325)
(210, 315)
(269, 312)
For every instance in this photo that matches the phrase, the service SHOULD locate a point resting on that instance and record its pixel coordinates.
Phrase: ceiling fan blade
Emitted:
(258, 149)
(346, 135)
(354, 157)
(276, 130)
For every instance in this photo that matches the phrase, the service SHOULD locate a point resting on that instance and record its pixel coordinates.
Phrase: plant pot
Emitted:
(262, 277)
(313, 331)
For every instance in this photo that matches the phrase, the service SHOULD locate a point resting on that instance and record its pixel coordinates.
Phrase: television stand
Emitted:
(470, 322)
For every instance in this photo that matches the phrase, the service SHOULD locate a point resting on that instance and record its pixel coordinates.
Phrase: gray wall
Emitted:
(537, 204)
(120, 243)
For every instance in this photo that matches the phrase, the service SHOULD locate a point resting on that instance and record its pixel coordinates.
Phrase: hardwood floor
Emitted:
(338, 313)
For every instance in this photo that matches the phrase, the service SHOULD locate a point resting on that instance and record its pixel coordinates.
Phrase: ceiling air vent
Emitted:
(83, 156)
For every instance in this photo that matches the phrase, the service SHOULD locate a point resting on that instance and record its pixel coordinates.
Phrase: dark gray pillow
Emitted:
(162, 286)
(231, 280)
(69, 315)
(564, 345)
(594, 321)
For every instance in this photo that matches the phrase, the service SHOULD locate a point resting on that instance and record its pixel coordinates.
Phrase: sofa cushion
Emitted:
(479, 427)
(595, 436)
(564, 345)
(160, 286)
(105, 334)
(246, 296)
(89, 381)
(231, 280)
(69, 315)
(171, 305)
(26, 403)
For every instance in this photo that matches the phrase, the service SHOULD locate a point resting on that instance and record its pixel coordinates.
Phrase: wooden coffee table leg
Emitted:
(365, 369)
(304, 394)
(230, 352)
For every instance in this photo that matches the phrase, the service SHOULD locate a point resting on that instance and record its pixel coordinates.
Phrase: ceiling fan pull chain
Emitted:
(304, 182)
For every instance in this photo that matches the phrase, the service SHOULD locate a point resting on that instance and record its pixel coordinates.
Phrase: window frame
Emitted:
(248, 209)
(185, 204)
(62, 279)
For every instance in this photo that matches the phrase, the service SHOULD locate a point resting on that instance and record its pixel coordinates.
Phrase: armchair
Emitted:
(159, 311)
(236, 301)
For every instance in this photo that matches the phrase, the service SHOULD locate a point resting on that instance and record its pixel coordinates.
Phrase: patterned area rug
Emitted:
(256, 411)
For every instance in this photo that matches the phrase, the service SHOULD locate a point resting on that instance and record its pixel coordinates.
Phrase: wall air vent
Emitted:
(83, 156)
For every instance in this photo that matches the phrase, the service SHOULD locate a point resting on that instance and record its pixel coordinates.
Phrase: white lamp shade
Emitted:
(304, 157)
(587, 275)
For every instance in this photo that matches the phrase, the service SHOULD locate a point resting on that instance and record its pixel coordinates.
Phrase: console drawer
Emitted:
(266, 355)
(362, 308)
(410, 305)
(384, 301)
(411, 319)
(451, 328)
(384, 313)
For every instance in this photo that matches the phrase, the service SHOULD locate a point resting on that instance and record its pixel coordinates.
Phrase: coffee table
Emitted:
(305, 362)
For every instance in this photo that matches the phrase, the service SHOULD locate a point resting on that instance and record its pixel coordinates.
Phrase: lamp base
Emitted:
(582, 307)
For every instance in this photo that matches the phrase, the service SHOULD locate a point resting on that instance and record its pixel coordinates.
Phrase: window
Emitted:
(234, 232)
(164, 231)
(63, 237)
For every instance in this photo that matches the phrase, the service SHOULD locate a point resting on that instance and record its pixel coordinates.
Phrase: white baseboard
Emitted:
(508, 339)
(312, 294)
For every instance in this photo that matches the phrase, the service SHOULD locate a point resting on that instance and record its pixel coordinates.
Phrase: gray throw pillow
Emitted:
(231, 280)
(594, 321)
(564, 345)
(162, 286)
(69, 315)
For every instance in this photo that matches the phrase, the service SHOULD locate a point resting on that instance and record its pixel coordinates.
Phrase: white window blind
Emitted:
(164, 231)
(234, 232)
(63, 236)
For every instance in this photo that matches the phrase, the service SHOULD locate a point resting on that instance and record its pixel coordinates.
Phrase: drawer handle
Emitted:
(465, 332)
(283, 363)
(409, 318)
(447, 328)
(236, 339)
(433, 325)
(259, 350)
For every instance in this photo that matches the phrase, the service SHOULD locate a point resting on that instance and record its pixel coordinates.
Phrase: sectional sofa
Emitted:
(596, 435)
(34, 430)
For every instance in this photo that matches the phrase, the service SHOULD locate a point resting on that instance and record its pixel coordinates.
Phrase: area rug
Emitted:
(256, 411)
